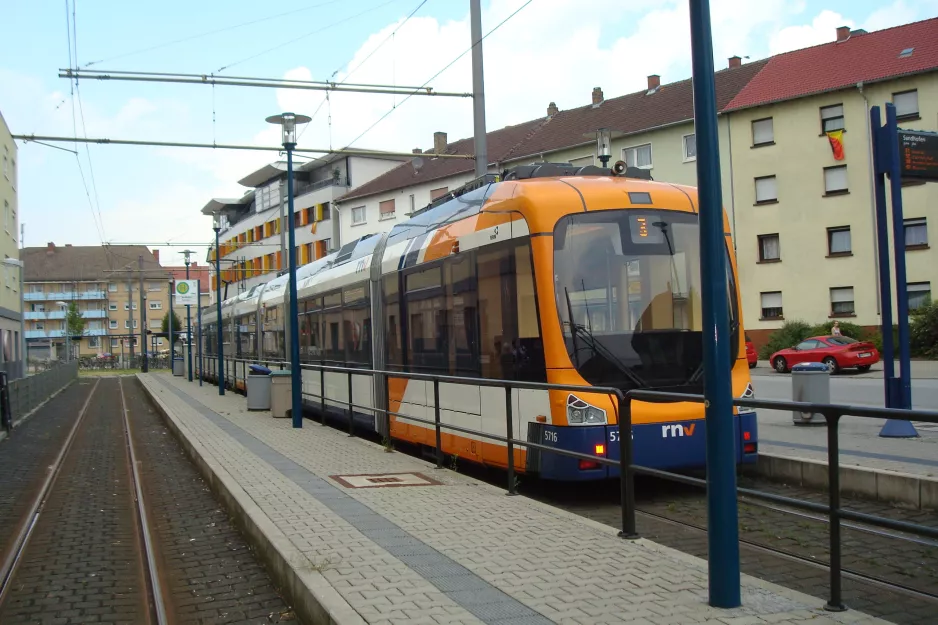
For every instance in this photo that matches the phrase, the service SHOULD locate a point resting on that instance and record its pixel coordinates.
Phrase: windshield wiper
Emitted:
(599, 349)
(698, 372)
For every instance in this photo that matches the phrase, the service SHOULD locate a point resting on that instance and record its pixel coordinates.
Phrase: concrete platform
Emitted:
(357, 535)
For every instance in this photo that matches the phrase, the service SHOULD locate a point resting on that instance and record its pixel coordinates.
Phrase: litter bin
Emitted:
(179, 368)
(258, 388)
(810, 382)
(281, 386)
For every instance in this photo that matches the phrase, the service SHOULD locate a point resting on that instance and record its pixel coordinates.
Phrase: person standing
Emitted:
(836, 329)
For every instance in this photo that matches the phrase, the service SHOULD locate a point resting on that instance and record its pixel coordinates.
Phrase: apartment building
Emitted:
(11, 344)
(254, 230)
(104, 282)
(802, 221)
(805, 225)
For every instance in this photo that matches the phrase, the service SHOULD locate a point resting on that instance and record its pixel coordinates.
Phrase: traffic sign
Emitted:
(187, 292)
(918, 155)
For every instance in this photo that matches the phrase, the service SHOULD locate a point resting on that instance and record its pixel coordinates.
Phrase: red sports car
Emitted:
(751, 355)
(837, 352)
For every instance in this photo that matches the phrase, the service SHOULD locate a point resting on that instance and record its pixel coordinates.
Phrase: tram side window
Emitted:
(310, 337)
(356, 325)
(428, 321)
(510, 344)
(463, 316)
(333, 347)
(245, 325)
(392, 306)
(273, 333)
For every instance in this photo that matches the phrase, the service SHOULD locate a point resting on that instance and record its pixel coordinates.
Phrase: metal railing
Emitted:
(628, 470)
(19, 397)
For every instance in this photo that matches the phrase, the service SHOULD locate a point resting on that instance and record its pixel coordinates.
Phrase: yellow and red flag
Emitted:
(836, 137)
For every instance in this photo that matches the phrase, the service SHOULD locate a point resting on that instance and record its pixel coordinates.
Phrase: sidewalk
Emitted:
(365, 536)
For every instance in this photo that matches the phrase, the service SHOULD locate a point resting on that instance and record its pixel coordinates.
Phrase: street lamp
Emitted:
(216, 226)
(186, 255)
(288, 122)
(15, 262)
(68, 347)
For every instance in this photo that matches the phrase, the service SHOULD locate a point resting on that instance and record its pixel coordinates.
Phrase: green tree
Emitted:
(74, 323)
(177, 325)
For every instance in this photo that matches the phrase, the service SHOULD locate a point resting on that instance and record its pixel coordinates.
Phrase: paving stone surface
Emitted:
(460, 551)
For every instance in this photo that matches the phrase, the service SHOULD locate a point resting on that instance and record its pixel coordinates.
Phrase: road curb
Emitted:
(309, 593)
(879, 485)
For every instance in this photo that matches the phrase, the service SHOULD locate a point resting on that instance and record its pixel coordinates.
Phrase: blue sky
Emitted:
(553, 50)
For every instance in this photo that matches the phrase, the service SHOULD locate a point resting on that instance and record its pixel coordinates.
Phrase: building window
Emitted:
(154, 286)
(112, 287)
(40, 326)
(838, 241)
(766, 190)
(835, 180)
(906, 103)
(916, 232)
(919, 294)
(112, 306)
(358, 215)
(156, 324)
(127, 324)
(842, 301)
(690, 147)
(112, 324)
(638, 156)
(413, 204)
(762, 132)
(127, 306)
(768, 248)
(93, 342)
(115, 343)
(436, 194)
(832, 118)
(386, 209)
(771, 305)
(156, 305)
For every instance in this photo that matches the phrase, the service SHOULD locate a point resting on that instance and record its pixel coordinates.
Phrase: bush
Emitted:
(923, 331)
(846, 328)
(789, 335)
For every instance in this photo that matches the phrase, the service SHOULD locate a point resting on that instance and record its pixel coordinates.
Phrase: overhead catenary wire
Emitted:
(211, 32)
(305, 36)
(224, 146)
(448, 65)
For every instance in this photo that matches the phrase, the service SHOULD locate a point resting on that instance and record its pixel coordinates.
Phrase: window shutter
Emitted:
(762, 131)
(842, 295)
(772, 300)
(386, 207)
(906, 103)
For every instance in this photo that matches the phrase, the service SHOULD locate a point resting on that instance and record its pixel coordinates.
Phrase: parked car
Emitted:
(837, 352)
(751, 355)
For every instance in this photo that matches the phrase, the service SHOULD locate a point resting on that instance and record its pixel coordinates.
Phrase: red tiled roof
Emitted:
(632, 113)
(864, 57)
(500, 142)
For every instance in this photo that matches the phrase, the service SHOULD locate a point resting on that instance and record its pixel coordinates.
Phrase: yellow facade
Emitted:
(812, 272)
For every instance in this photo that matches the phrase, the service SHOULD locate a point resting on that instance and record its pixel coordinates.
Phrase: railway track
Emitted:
(72, 516)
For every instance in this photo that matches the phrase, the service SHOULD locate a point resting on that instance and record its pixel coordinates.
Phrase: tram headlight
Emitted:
(581, 413)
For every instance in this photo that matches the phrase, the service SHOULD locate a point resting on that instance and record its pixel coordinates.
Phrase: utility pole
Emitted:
(130, 311)
(478, 88)
(145, 363)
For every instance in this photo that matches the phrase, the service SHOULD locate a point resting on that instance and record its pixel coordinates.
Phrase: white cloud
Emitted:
(554, 51)
(822, 29)
(898, 12)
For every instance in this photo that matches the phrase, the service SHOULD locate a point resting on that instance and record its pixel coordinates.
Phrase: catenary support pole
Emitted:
(478, 88)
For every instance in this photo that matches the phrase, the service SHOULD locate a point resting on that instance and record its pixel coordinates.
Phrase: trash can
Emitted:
(810, 382)
(179, 368)
(258, 388)
(281, 386)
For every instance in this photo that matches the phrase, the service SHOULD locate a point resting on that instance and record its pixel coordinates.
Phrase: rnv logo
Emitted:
(677, 430)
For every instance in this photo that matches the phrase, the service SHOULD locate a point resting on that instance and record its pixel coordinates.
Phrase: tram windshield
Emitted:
(627, 288)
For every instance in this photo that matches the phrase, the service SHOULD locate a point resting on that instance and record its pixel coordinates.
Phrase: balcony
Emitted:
(58, 334)
(60, 314)
(65, 296)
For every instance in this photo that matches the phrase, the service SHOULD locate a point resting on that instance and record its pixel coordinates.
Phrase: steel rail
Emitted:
(155, 587)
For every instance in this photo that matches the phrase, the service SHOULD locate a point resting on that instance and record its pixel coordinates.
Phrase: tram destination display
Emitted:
(918, 155)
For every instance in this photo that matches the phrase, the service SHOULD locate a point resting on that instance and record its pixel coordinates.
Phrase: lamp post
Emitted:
(187, 254)
(15, 262)
(216, 226)
(68, 350)
(288, 122)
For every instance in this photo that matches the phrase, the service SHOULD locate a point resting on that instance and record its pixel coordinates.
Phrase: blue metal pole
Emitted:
(201, 372)
(898, 246)
(882, 242)
(722, 519)
(189, 329)
(221, 364)
(295, 377)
